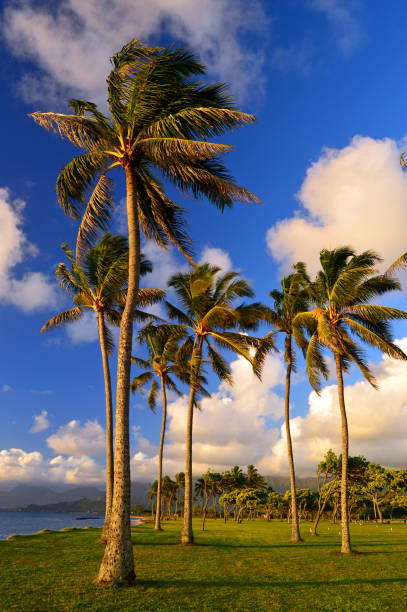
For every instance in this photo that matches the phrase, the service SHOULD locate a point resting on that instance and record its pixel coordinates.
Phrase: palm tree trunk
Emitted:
(160, 457)
(295, 530)
(346, 547)
(118, 561)
(187, 535)
(109, 425)
(204, 511)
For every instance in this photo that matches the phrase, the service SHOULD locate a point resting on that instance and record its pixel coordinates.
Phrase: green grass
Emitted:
(251, 566)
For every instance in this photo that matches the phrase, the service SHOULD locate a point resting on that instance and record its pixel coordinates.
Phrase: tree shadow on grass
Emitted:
(247, 583)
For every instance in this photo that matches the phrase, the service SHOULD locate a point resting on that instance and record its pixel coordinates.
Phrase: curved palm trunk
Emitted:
(205, 507)
(187, 535)
(118, 561)
(109, 425)
(295, 530)
(346, 547)
(157, 525)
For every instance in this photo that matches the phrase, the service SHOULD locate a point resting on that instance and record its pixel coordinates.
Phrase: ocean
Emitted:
(30, 522)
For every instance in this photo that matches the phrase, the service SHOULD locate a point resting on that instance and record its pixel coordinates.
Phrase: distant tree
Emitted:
(159, 371)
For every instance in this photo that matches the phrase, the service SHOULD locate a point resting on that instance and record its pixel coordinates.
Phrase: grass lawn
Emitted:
(251, 566)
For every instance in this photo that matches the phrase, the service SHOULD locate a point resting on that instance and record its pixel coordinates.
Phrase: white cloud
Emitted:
(40, 422)
(355, 196)
(71, 42)
(341, 15)
(7, 388)
(165, 264)
(34, 290)
(377, 422)
(17, 464)
(216, 257)
(83, 330)
(78, 440)
(234, 426)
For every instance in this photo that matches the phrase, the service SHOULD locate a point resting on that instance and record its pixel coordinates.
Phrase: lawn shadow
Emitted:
(245, 583)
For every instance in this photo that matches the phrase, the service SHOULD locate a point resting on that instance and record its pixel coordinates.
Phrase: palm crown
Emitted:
(100, 284)
(160, 117)
(209, 316)
(343, 314)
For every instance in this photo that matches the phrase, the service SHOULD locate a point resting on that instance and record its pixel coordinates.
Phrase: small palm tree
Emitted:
(180, 480)
(161, 118)
(160, 366)
(99, 284)
(342, 315)
(288, 302)
(255, 480)
(152, 493)
(209, 316)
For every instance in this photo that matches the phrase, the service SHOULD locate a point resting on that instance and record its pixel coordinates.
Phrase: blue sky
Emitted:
(326, 81)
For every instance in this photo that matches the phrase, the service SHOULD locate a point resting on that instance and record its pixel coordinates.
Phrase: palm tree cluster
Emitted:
(159, 129)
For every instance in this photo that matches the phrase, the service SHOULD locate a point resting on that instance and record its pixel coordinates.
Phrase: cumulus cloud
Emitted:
(78, 440)
(17, 464)
(235, 426)
(238, 425)
(83, 330)
(34, 290)
(71, 42)
(40, 422)
(377, 422)
(355, 196)
(216, 257)
(341, 16)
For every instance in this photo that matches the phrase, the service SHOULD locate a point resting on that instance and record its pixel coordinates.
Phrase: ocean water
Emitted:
(31, 522)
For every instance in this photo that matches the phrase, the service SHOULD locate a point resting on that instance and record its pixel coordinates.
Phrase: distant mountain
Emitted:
(281, 484)
(80, 506)
(23, 495)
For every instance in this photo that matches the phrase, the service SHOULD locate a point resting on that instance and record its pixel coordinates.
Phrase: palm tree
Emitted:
(342, 315)
(180, 480)
(160, 365)
(255, 480)
(99, 284)
(202, 488)
(160, 119)
(208, 316)
(288, 302)
(152, 492)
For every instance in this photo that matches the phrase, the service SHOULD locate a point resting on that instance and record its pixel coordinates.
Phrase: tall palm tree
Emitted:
(162, 366)
(160, 119)
(99, 284)
(208, 316)
(152, 492)
(342, 315)
(288, 302)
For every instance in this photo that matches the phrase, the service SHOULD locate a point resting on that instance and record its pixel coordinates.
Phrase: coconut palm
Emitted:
(255, 480)
(180, 480)
(159, 370)
(208, 317)
(152, 493)
(288, 302)
(342, 315)
(99, 284)
(160, 119)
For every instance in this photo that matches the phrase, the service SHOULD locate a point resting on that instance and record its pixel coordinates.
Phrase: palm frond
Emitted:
(63, 318)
